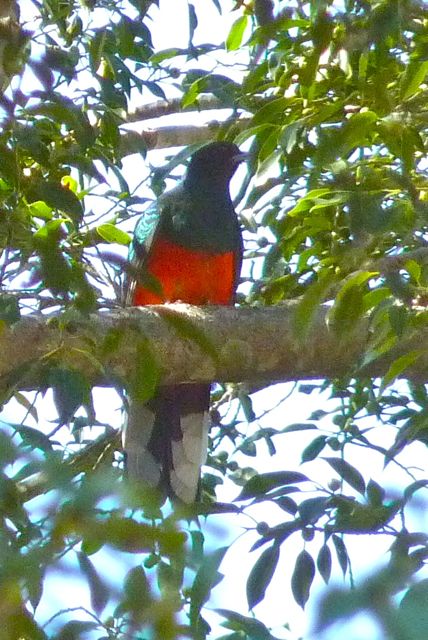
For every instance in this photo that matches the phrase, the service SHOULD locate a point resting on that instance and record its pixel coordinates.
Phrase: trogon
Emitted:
(186, 247)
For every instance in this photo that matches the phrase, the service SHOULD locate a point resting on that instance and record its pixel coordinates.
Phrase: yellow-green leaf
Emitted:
(236, 33)
(399, 365)
(110, 233)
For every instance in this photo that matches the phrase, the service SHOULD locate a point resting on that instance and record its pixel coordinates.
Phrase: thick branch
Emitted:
(194, 344)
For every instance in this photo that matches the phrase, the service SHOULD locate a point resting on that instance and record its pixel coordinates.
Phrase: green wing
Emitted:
(145, 232)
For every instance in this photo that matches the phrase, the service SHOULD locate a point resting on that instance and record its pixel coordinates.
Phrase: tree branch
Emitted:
(174, 136)
(194, 344)
(162, 108)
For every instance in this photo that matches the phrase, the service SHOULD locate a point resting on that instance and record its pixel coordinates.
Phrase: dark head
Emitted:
(214, 164)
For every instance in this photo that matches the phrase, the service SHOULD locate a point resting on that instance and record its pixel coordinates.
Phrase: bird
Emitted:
(186, 247)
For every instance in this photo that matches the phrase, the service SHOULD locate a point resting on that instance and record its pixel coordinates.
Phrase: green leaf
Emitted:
(236, 33)
(302, 578)
(398, 316)
(9, 309)
(8, 452)
(356, 129)
(305, 311)
(261, 575)
(57, 197)
(246, 404)
(413, 612)
(137, 596)
(375, 493)
(299, 426)
(185, 328)
(415, 486)
(349, 303)
(145, 379)
(70, 389)
(198, 540)
(111, 233)
(414, 269)
(126, 535)
(398, 366)
(205, 580)
(40, 209)
(166, 54)
(348, 473)
(269, 113)
(261, 484)
(20, 624)
(412, 79)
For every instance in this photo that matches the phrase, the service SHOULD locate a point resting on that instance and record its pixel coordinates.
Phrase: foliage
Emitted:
(331, 97)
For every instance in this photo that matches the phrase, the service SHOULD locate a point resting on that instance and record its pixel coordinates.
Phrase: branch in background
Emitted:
(174, 136)
(87, 459)
(195, 344)
(162, 108)
(395, 262)
(13, 43)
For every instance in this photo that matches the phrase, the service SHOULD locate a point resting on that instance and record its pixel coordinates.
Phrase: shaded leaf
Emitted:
(57, 197)
(205, 580)
(76, 630)
(261, 484)
(299, 426)
(33, 438)
(413, 612)
(137, 596)
(324, 563)
(70, 389)
(375, 493)
(98, 590)
(415, 486)
(341, 553)
(314, 448)
(185, 328)
(9, 309)
(255, 629)
(306, 309)
(302, 578)
(348, 473)
(312, 509)
(261, 575)
(143, 384)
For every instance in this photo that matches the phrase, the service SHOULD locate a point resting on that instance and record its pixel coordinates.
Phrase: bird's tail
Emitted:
(165, 439)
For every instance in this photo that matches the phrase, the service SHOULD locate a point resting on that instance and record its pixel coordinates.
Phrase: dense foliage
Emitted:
(331, 99)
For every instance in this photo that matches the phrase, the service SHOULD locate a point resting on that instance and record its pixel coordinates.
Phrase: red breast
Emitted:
(195, 277)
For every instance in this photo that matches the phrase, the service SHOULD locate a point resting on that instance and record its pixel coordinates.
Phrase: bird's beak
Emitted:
(242, 156)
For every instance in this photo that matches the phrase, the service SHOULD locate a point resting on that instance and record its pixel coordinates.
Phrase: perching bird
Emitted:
(187, 247)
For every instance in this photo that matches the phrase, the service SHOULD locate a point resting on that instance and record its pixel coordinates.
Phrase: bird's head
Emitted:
(215, 163)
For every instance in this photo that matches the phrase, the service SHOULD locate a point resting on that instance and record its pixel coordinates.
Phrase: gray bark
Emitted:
(195, 344)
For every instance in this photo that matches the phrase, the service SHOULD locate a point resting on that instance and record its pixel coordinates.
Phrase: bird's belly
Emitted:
(191, 276)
